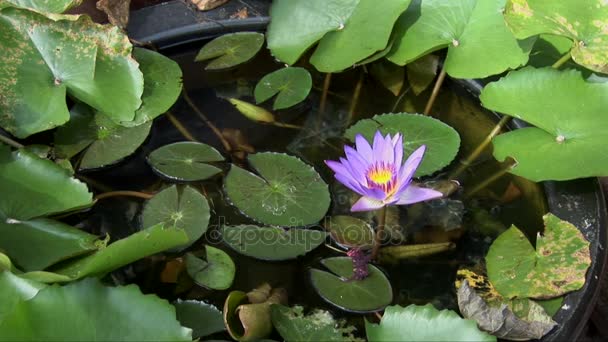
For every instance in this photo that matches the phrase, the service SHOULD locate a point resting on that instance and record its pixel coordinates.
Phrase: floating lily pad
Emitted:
(185, 161)
(37, 187)
(568, 134)
(478, 40)
(336, 286)
(291, 84)
(230, 50)
(49, 6)
(204, 319)
(556, 267)
(366, 32)
(442, 141)
(287, 192)
(391, 76)
(183, 208)
(162, 85)
(421, 72)
(549, 48)
(583, 21)
(14, 290)
(319, 325)
(52, 57)
(271, 243)
(216, 272)
(297, 25)
(424, 323)
(350, 232)
(89, 311)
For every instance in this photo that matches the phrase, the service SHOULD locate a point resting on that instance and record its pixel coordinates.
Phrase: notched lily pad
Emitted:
(422, 72)
(230, 50)
(391, 76)
(350, 232)
(185, 161)
(287, 192)
(204, 319)
(184, 208)
(215, 272)
(319, 325)
(556, 267)
(339, 288)
(292, 85)
(271, 243)
(442, 141)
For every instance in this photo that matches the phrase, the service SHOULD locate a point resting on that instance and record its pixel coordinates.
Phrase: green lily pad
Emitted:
(89, 311)
(291, 84)
(336, 286)
(52, 57)
(478, 40)
(271, 243)
(296, 25)
(144, 243)
(204, 319)
(319, 325)
(424, 323)
(350, 232)
(185, 161)
(49, 6)
(583, 21)
(556, 267)
(366, 32)
(230, 50)
(14, 290)
(38, 243)
(184, 208)
(287, 192)
(216, 272)
(570, 129)
(73, 137)
(162, 85)
(442, 141)
(422, 72)
(37, 187)
(548, 49)
(391, 76)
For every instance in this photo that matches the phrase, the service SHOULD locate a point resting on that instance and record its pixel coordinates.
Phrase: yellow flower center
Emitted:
(380, 176)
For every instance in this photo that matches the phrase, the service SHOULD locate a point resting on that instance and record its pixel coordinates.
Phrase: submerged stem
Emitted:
(435, 91)
(206, 120)
(326, 84)
(10, 141)
(355, 100)
(128, 193)
(464, 164)
(285, 125)
(562, 60)
(400, 98)
(181, 128)
(495, 176)
(379, 232)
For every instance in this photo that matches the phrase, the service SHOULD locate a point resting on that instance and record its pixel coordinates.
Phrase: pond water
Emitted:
(509, 200)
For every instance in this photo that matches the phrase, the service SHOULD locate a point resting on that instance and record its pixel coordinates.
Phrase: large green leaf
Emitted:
(73, 137)
(204, 319)
(37, 186)
(367, 31)
(149, 241)
(319, 325)
(89, 311)
(50, 6)
(350, 232)
(442, 141)
(230, 50)
(184, 208)
(215, 272)
(583, 21)
(296, 25)
(287, 191)
(291, 84)
(185, 161)
(340, 289)
(570, 129)
(478, 40)
(424, 323)
(162, 85)
(556, 267)
(14, 290)
(47, 58)
(38, 243)
(271, 243)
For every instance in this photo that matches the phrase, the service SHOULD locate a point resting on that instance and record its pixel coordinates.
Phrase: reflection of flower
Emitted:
(375, 172)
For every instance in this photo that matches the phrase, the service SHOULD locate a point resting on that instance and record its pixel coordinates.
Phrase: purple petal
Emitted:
(398, 148)
(376, 193)
(336, 167)
(364, 148)
(367, 204)
(350, 183)
(409, 167)
(358, 165)
(378, 145)
(414, 194)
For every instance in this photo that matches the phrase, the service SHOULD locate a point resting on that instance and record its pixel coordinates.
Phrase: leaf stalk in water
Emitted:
(379, 232)
(126, 193)
(206, 120)
(435, 91)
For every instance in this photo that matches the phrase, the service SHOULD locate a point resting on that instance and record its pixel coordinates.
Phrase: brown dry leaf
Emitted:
(240, 14)
(172, 269)
(116, 10)
(206, 5)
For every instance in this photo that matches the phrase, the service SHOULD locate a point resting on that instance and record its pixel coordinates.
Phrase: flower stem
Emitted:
(435, 91)
(137, 194)
(565, 58)
(181, 128)
(206, 120)
(464, 164)
(379, 232)
(355, 100)
(10, 141)
(285, 125)
(495, 176)
(400, 98)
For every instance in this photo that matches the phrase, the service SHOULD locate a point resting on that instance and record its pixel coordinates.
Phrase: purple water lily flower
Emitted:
(376, 173)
